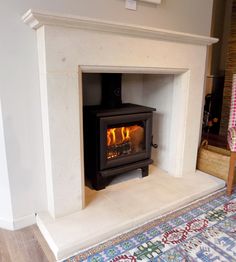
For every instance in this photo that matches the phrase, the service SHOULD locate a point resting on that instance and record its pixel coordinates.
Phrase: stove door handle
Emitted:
(154, 145)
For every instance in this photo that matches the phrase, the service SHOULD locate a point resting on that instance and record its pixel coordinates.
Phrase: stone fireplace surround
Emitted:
(69, 46)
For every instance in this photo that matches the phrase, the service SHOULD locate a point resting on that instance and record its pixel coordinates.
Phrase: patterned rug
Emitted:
(203, 231)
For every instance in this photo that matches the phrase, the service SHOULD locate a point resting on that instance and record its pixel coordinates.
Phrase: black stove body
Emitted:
(117, 137)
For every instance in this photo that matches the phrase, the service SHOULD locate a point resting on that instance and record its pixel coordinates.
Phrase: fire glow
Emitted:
(123, 140)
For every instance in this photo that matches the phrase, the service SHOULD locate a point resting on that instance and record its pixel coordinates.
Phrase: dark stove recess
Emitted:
(117, 137)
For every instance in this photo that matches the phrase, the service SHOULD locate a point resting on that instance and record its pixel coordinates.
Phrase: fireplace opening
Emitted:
(117, 136)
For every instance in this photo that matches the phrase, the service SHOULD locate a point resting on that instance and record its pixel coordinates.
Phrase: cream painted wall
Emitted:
(6, 217)
(19, 80)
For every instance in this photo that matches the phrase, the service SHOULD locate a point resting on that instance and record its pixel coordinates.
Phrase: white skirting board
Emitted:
(18, 223)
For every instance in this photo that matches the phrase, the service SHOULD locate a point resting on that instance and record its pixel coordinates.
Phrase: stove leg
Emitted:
(144, 171)
(100, 183)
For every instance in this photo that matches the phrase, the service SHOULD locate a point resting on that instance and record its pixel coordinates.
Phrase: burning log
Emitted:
(118, 150)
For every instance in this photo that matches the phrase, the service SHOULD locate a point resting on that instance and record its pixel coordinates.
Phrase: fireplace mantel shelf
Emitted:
(36, 19)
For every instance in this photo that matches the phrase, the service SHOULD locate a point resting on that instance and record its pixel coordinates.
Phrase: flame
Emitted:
(125, 134)
(113, 133)
(108, 137)
(120, 135)
(111, 136)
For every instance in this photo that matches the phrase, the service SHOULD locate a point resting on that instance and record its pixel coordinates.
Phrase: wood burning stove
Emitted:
(117, 137)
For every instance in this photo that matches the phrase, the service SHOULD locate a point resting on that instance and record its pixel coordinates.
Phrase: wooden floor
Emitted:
(25, 245)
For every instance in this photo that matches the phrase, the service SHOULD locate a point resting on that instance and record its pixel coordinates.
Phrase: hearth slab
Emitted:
(122, 206)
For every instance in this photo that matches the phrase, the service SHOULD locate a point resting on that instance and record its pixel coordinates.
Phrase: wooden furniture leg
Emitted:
(231, 173)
